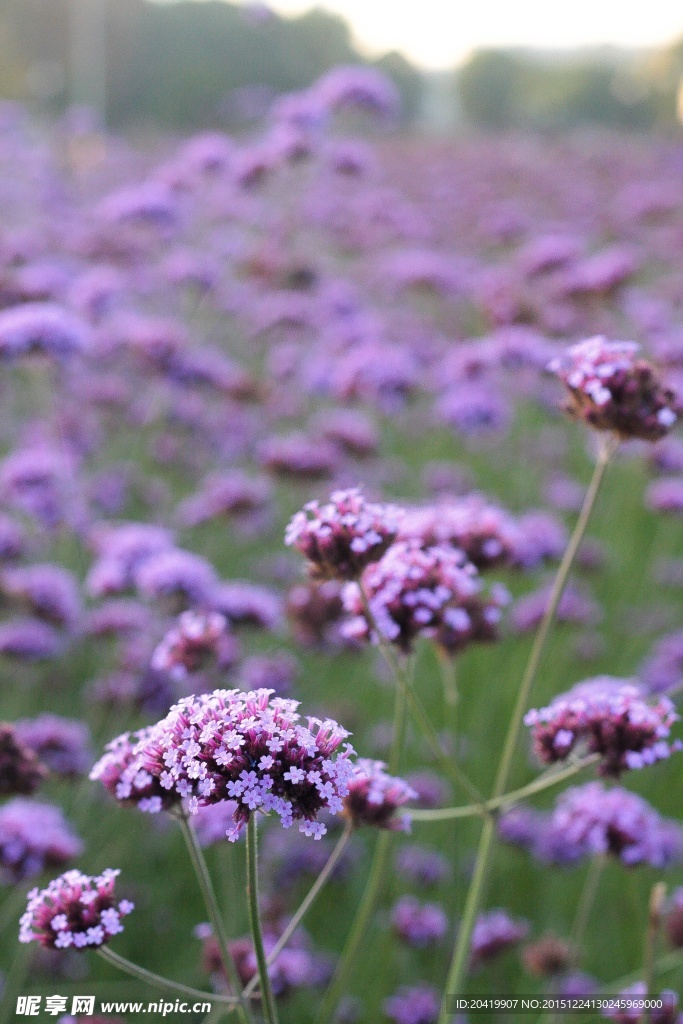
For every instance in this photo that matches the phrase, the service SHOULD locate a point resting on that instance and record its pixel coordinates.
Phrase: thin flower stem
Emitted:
(545, 781)
(654, 923)
(215, 916)
(458, 968)
(267, 997)
(586, 901)
(307, 903)
(156, 980)
(449, 679)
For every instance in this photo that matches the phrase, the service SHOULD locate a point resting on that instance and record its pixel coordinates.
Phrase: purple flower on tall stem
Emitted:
(374, 797)
(75, 910)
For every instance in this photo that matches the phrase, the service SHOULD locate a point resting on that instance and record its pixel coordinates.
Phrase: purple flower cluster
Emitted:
(612, 390)
(33, 836)
(20, 770)
(591, 820)
(374, 797)
(121, 772)
(418, 1004)
(339, 539)
(486, 534)
(493, 933)
(415, 591)
(252, 749)
(610, 717)
(62, 744)
(194, 638)
(419, 924)
(74, 911)
(667, 1013)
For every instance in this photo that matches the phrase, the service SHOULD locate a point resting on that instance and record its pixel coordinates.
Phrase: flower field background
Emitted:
(207, 337)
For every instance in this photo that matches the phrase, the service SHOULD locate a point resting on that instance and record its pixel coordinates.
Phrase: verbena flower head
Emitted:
(667, 1013)
(121, 772)
(339, 539)
(612, 390)
(494, 932)
(74, 911)
(20, 770)
(422, 865)
(419, 924)
(486, 534)
(193, 639)
(63, 744)
(33, 836)
(251, 748)
(416, 1005)
(432, 592)
(374, 797)
(591, 820)
(610, 717)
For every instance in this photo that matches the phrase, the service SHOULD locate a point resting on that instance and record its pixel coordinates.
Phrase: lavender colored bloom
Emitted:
(33, 836)
(295, 455)
(374, 797)
(315, 612)
(212, 821)
(486, 534)
(575, 607)
(62, 744)
(250, 748)
(418, 1004)
(20, 770)
(668, 1013)
(75, 910)
(542, 538)
(355, 86)
(176, 574)
(419, 924)
(44, 328)
(117, 618)
(612, 390)
(247, 604)
(276, 672)
(494, 932)
(662, 670)
(195, 637)
(350, 429)
(50, 592)
(297, 966)
(548, 957)
(431, 592)
(474, 410)
(590, 820)
(339, 539)
(432, 790)
(122, 772)
(421, 865)
(29, 640)
(230, 494)
(150, 203)
(666, 495)
(611, 718)
(122, 550)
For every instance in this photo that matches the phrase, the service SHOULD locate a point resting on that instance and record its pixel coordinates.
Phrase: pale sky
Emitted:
(440, 33)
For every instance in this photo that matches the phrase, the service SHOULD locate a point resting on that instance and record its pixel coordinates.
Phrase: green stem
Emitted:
(307, 903)
(586, 901)
(215, 916)
(545, 781)
(156, 980)
(654, 923)
(667, 963)
(267, 997)
(449, 679)
(458, 968)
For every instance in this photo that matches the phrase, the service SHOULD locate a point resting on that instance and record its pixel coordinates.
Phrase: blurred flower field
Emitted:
(199, 341)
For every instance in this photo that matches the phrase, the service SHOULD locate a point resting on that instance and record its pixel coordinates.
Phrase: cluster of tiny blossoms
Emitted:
(612, 390)
(431, 592)
(74, 910)
(339, 539)
(250, 748)
(195, 637)
(122, 774)
(374, 797)
(611, 717)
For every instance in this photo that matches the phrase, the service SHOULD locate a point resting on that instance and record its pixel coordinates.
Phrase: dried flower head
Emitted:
(75, 911)
(612, 390)
(548, 956)
(342, 537)
(251, 748)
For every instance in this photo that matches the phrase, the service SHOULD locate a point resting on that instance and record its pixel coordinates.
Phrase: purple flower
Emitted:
(230, 494)
(339, 539)
(430, 592)
(374, 797)
(416, 1005)
(122, 550)
(486, 534)
(212, 821)
(33, 836)
(666, 495)
(123, 774)
(575, 607)
(421, 865)
(494, 932)
(44, 328)
(612, 390)
(20, 770)
(252, 749)
(276, 672)
(75, 910)
(419, 924)
(315, 612)
(662, 671)
(176, 574)
(356, 86)
(666, 1014)
(247, 604)
(295, 455)
(29, 640)
(63, 744)
(49, 591)
(195, 637)
(611, 718)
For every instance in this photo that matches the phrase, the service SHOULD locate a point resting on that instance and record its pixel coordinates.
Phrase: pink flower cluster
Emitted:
(75, 910)
(486, 534)
(612, 718)
(430, 592)
(250, 748)
(374, 797)
(194, 638)
(610, 389)
(341, 538)
(122, 774)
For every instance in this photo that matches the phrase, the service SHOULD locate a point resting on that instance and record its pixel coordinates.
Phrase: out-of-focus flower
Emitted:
(121, 772)
(63, 744)
(419, 924)
(252, 749)
(431, 592)
(612, 390)
(247, 604)
(50, 592)
(176, 574)
(75, 910)
(418, 1004)
(575, 606)
(662, 670)
(374, 797)
(43, 328)
(422, 865)
(33, 836)
(485, 533)
(276, 672)
(295, 455)
(195, 637)
(611, 718)
(20, 770)
(339, 539)
(30, 640)
(315, 612)
(673, 920)
(667, 1013)
(666, 495)
(548, 956)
